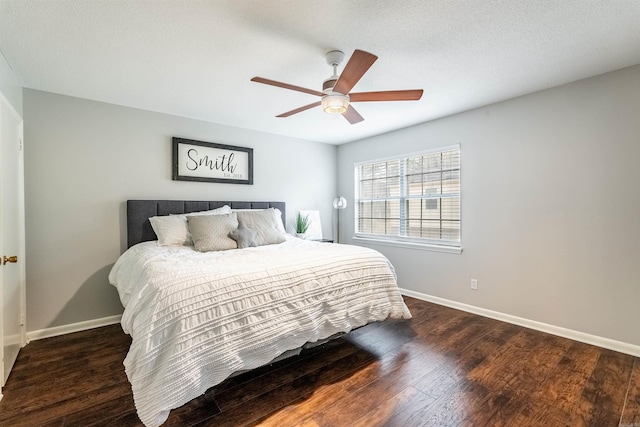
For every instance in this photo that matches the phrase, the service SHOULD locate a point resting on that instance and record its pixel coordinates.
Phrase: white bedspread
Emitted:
(196, 318)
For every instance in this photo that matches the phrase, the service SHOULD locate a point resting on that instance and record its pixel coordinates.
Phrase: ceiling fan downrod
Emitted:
(334, 58)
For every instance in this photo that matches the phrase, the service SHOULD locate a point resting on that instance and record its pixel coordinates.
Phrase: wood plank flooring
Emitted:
(442, 368)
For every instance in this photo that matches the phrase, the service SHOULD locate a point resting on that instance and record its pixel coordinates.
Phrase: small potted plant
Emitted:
(302, 224)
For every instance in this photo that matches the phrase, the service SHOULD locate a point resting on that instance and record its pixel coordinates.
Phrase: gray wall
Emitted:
(9, 87)
(550, 206)
(83, 159)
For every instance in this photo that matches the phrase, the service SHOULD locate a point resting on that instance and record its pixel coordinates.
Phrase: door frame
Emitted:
(21, 252)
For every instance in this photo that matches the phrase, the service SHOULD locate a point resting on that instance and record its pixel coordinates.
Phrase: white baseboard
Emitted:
(73, 327)
(610, 344)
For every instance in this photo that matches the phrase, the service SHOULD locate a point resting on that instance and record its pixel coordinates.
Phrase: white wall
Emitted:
(550, 206)
(84, 159)
(10, 89)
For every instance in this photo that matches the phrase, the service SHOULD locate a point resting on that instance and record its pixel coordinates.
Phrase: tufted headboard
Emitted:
(139, 211)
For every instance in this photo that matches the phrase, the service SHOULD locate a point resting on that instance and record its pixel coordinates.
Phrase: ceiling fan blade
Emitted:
(358, 64)
(352, 115)
(299, 110)
(389, 95)
(286, 86)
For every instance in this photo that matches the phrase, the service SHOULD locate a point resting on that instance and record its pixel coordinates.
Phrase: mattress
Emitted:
(196, 318)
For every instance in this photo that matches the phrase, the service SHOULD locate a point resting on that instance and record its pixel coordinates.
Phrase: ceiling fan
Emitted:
(335, 96)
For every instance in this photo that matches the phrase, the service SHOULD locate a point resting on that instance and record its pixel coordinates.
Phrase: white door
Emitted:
(12, 271)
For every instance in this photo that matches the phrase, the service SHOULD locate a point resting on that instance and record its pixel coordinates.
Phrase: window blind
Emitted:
(414, 198)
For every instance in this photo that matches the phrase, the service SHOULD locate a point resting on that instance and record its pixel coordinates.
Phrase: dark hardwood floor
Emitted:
(442, 368)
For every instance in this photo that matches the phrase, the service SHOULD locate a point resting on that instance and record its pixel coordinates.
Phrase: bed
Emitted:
(198, 317)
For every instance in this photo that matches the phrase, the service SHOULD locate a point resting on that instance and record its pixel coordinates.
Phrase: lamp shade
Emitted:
(339, 203)
(335, 103)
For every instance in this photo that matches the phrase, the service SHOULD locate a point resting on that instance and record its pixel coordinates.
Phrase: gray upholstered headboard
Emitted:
(139, 211)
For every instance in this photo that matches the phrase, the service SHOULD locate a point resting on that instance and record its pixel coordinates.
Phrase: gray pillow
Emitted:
(244, 236)
(173, 229)
(264, 222)
(210, 232)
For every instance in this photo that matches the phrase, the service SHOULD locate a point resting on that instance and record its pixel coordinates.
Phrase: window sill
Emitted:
(410, 245)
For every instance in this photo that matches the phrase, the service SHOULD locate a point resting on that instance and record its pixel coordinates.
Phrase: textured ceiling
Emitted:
(196, 58)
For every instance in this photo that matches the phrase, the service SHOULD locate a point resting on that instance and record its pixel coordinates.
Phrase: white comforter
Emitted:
(196, 318)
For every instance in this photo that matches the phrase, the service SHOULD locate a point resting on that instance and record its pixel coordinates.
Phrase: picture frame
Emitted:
(211, 162)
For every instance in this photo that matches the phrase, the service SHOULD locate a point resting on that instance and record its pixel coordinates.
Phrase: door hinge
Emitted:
(19, 144)
(22, 320)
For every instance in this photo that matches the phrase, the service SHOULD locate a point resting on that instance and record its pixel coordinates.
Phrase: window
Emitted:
(414, 198)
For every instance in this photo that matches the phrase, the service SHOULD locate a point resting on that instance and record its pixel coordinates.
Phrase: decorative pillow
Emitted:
(244, 236)
(277, 215)
(211, 232)
(172, 230)
(226, 209)
(265, 224)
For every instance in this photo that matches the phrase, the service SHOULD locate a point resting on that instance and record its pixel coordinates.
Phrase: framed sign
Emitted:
(210, 162)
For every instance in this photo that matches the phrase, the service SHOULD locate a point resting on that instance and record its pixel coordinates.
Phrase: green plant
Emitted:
(302, 223)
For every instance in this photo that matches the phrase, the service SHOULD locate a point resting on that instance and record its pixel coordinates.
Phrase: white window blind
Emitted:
(414, 198)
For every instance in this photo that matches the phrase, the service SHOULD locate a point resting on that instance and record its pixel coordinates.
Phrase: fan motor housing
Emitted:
(327, 85)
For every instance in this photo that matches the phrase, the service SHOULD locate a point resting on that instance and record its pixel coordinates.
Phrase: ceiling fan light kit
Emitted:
(335, 96)
(335, 103)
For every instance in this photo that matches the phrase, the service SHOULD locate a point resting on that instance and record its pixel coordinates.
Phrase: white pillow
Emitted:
(277, 214)
(211, 232)
(172, 230)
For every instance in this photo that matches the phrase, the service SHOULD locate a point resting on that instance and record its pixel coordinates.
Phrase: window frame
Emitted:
(441, 245)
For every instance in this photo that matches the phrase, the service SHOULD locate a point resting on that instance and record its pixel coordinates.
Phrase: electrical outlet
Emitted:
(474, 284)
